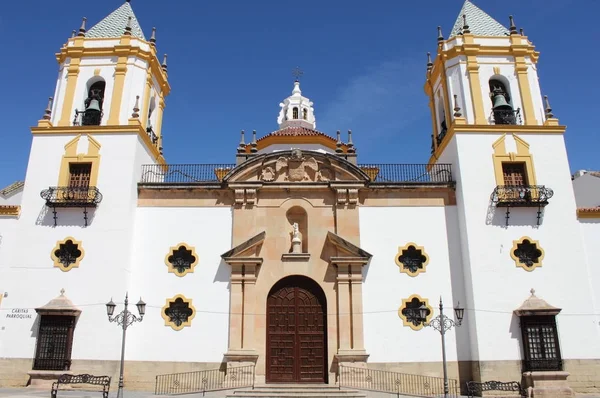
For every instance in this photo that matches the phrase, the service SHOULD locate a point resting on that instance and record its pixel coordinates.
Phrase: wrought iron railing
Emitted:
(184, 173)
(152, 135)
(506, 116)
(533, 365)
(379, 173)
(521, 195)
(82, 197)
(394, 382)
(409, 173)
(71, 196)
(205, 380)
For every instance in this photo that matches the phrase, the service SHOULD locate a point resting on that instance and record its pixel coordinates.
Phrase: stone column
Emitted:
(356, 280)
(235, 308)
(344, 317)
(249, 277)
(350, 318)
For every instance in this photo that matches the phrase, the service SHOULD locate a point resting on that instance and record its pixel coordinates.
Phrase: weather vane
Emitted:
(297, 72)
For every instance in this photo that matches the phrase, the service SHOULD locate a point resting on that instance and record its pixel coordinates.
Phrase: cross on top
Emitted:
(297, 72)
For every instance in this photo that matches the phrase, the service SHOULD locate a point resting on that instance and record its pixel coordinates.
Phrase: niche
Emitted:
(298, 215)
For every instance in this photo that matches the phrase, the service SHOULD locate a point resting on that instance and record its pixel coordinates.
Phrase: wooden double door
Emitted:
(296, 332)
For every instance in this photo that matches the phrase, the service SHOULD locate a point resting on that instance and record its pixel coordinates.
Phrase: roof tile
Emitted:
(480, 23)
(114, 24)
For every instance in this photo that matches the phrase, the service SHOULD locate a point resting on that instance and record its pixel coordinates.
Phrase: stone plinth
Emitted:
(549, 384)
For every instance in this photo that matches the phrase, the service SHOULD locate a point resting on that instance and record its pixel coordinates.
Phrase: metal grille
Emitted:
(412, 259)
(79, 175)
(394, 382)
(540, 340)
(178, 311)
(528, 253)
(184, 173)
(55, 338)
(412, 313)
(205, 380)
(68, 253)
(181, 259)
(514, 173)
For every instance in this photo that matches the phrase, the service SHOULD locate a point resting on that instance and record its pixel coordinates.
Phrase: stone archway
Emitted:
(296, 349)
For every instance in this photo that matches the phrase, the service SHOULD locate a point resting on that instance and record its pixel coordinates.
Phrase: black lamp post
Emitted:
(124, 319)
(442, 323)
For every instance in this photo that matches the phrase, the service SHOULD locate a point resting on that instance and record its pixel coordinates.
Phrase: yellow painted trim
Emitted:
(67, 105)
(72, 157)
(56, 260)
(518, 262)
(146, 96)
(492, 129)
(445, 93)
(168, 322)
(588, 213)
(475, 88)
(500, 156)
(326, 141)
(405, 321)
(10, 210)
(96, 130)
(521, 69)
(159, 119)
(77, 52)
(401, 265)
(170, 266)
(117, 94)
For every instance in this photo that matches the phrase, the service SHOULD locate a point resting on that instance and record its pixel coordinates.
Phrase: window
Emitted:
(295, 113)
(412, 259)
(178, 312)
(514, 174)
(54, 343)
(540, 343)
(527, 253)
(181, 259)
(67, 254)
(305, 114)
(410, 314)
(79, 175)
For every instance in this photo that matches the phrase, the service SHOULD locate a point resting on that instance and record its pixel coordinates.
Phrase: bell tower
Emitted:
(491, 122)
(110, 77)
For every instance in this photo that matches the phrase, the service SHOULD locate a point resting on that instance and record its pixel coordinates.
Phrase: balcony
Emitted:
(88, 117)
(152, 135)
(506, 116)
(71, 197)
(521, 196)
(195, 174)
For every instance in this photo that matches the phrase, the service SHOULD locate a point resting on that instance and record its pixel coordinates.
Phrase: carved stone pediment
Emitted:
(296, 166)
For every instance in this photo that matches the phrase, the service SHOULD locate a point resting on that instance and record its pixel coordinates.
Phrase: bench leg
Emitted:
(53, 393)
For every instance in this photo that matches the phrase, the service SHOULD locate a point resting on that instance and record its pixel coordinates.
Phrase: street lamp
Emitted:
(124, 319)
(442, 323)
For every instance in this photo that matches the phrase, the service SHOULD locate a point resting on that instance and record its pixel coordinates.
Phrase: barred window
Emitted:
(54, 343)
(540, 343)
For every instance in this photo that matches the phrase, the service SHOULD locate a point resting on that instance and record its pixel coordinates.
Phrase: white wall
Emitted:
(382, 231)
(156, 231)
(27, 272)
(13, 198)
(590, 229)
(498, 286)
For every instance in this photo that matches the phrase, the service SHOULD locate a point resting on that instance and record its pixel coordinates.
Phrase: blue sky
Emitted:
(230, 65)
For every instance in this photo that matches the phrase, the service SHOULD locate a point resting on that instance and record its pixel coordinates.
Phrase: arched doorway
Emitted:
(296, 332)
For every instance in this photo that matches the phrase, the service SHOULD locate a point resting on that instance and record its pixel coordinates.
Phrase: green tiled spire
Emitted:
(114, 24)
(480, 23)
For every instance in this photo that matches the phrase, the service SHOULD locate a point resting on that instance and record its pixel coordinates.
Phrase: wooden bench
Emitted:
(64, 379)
(474, 387)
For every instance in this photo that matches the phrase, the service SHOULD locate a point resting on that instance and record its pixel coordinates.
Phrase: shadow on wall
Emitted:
(223, 273)
(521, 216)
(71, 217)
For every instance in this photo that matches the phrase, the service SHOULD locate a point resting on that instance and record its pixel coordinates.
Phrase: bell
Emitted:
(499, 101)
(94, 106)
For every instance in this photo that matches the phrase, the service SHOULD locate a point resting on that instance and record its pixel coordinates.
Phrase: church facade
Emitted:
(295, 258)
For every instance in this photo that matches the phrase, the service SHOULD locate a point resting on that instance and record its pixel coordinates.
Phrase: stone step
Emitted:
(297, 390)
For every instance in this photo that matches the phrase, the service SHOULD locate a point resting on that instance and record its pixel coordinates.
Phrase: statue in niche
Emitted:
(296, 239)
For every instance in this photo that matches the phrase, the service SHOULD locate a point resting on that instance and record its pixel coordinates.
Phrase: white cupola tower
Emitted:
(297, 110)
